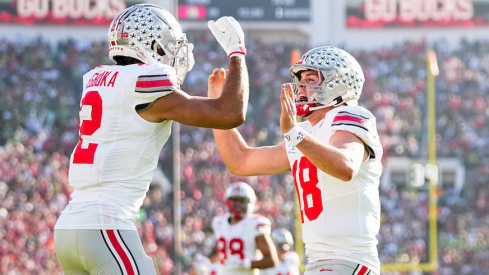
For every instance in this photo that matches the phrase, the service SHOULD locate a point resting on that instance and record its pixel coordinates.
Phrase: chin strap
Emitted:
(337, 101)
(304, 109)
(316, 107)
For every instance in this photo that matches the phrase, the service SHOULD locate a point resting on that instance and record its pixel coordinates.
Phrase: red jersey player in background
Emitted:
(335, 159)
(242, 238)
(126, 113)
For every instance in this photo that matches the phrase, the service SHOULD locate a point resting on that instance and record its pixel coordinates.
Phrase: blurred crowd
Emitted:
(40, 89)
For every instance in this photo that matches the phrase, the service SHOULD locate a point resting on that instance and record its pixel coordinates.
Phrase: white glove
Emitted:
(229, 34)
(236, 262)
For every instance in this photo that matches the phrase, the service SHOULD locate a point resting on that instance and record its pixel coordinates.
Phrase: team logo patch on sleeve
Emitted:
(346, 118)
(155, 83)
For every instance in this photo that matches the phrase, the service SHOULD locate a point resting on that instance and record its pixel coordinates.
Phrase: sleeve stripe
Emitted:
(351, 114)
(347, 118)
(155, 90)
(153, 83)
(350, 123)
(153, 76)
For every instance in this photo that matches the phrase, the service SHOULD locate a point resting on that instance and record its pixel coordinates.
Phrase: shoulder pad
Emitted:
(218, 220)
(155, 81)
(261, 224)
(362, 123)
(157, 78)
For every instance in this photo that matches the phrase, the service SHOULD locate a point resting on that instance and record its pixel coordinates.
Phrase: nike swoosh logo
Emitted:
(325, 269)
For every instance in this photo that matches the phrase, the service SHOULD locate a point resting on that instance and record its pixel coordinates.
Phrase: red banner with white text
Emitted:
(61, 12)
(416, 13)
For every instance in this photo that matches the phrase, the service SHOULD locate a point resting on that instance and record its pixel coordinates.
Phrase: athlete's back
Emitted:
(113, 137)
(117, 151)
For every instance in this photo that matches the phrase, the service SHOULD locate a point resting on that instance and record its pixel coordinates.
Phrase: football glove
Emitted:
(229, 34)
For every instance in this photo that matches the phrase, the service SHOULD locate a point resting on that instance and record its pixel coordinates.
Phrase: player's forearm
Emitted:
(328, 159)
(232, 148)
(235, 93)
(266, 262)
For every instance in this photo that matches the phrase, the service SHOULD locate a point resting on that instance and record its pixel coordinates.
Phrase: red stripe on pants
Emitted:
(363, 270)
(122, 254)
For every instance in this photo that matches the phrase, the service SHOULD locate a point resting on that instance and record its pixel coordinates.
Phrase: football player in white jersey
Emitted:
(200, 265)
(334, 156)
(288, 260)
(206, 265)
(243, 239)
(126, 114)
(214, 258)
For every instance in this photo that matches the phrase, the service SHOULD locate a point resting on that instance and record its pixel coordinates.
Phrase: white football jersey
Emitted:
(112, 165)
(289, 265)
(340, 219)
(214, 268)
(236, 242)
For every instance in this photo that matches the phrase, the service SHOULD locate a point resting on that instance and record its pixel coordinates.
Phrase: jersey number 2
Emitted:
(311, 194)
(88, 127)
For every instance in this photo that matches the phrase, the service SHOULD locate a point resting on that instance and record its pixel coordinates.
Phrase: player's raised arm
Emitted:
(244, 160)
(224, 112)
(238, 156)
(235, 92)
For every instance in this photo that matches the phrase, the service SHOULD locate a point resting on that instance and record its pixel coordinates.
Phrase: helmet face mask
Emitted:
(314, 92)
(240, 199)
(340, 79)
(152, 35)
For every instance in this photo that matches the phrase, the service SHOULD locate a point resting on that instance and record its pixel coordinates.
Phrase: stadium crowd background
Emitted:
(40, 88)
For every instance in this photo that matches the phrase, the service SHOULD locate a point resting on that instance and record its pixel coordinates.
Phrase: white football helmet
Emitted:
(240, 190)
(151, 34)
(283, 238)
(341, 79)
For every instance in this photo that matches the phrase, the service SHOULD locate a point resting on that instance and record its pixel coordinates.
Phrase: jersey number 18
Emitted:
(312, 202)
